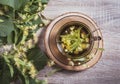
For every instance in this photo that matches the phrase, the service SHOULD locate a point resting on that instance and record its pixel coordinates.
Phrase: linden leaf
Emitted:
(6, 27)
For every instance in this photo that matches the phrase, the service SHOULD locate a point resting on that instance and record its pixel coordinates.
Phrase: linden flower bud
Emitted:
(39, 8)
(63, 45)
(29, 64)
(24, 49)
(71, 63)
(22, 43)
(44, 5)
(41, 25)
(25, 60)
(50, 63)
(33, 75)
(21, 26)
(5, 53)
(79, 63)
(22, 16)
(24, 70)
(39, 4)
(76, 52)
(25, 33)
(66, 31)
(32, 71)
(16, 62)
(34, 27)
(20, 48)
(46, 22)
(66, 50)
(69, 59)
(19, 54)
(36, 17)
(72, 28)
(35, 38)
(87, 39)
(30, 44)
(25, 28)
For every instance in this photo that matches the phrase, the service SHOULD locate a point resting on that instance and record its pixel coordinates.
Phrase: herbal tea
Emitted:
(75, 41)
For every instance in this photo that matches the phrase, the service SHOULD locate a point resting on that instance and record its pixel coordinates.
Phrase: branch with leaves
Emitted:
(20, 58)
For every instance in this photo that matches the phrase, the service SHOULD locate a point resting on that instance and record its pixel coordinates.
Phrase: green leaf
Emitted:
(9, 65)
(15, 4)
(10, 38)
(44, 1)
(42, 81)
(39, 59)
(7, 2)
(6, 27)
(6, 59)
(5, 77)
(11, 69)
(37, 21)
(19, 3)
(26, 79)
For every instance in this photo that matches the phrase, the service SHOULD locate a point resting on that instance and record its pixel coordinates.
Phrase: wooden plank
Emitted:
(106, 13)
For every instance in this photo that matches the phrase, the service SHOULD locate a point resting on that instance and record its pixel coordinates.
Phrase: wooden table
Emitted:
(106, 13)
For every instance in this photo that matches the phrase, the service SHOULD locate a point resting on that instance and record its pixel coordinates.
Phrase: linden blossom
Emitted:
(19, 24)
(74, 40)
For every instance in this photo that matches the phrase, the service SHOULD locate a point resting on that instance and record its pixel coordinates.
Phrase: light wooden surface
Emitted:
(106, 13)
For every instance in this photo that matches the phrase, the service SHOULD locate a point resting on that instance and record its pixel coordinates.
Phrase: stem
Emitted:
(50, 73)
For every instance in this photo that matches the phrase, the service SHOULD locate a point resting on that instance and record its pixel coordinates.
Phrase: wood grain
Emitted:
(106, 13)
